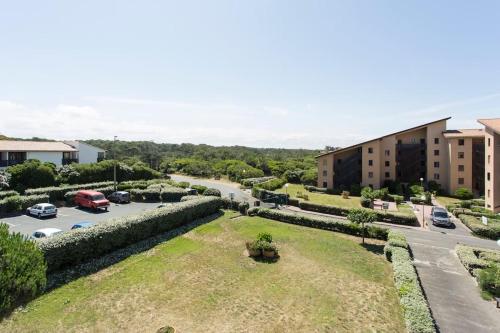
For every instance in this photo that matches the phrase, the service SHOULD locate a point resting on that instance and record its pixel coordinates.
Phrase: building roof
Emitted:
(14, 145)
(493, 123)
(384, 136)
(76, 144)
(464, 133)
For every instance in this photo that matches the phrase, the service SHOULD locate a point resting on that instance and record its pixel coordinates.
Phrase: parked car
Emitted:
(440, 216)
(46, 232)
(91, 199)
(119, 197)
(42, 210)
(84, 224)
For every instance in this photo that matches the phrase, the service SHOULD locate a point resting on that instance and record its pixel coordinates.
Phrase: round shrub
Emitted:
(265, 237)
(213, 192)
(365, 202)
(243, 207)
(464, 193)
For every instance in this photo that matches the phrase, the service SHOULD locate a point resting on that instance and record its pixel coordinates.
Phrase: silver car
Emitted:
(440, 217)
(42, 210)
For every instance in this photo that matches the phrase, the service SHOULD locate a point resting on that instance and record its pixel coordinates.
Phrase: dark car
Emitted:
(440, 217)
(119, 197)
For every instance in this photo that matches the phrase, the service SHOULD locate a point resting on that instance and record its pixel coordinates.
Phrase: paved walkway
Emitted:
(452, 292)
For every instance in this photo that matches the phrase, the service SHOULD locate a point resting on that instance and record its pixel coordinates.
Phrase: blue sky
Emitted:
(258, 73)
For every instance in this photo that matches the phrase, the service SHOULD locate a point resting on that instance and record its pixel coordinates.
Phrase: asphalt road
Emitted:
(68, 216)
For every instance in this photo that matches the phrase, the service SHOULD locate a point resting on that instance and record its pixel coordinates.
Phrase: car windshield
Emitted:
(440, 214)
(98, 197)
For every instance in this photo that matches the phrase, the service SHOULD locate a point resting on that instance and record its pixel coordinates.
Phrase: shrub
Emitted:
(367, 192)
(489, 280)
(212, 192)
(434, 187)
(355, 189)
(189, 197)
(19, 203)
(249, 182)
(22, 269)
(253, 211)
(469, 259)
(394, 239)
(464, 193)
(265, 237)
(490, 256)
(79, 245)
(316, 189)
(31, 173)
(478, 202)
(416, 190)
(398, 199)
(5, 194)
(199, 188)
(243, 207)
(465, 204)
(365, 202)
(491, 231)
(293, 202)
(272, 184)
(416, 311)
(183, 184)
(325, 223)
(57, 193)
(169, 194)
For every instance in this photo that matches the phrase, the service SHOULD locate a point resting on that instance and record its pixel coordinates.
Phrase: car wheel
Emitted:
(39, 215)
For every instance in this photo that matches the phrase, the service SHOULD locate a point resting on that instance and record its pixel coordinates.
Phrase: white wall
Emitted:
(46, 156)
(87, 153)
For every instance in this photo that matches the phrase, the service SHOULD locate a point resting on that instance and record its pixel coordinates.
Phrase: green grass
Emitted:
(204, 281)
(405, 209)
(321, 198)
(443, 201)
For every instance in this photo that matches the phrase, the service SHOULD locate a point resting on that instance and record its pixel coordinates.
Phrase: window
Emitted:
(387, 175)
(461, 154)
(436, 141)
(371, 186)
(422, 152)
(489, 142)
(387, 163)
(436, 164)
(489, 193)
(325, 173)
(370, 150)
(387, 152)
(436, 176)
(339, 161)
(460, 181)
(370, 174)
(400, 142)
(324, 162)
(461, 142)
(325, 184)
(488, 176)
(422, 163)
(461, 167)
(370, 162)
(422, 141)
(436, 152)
(489, 159)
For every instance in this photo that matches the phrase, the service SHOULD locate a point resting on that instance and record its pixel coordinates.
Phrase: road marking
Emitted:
(12, 225)
(428, 245)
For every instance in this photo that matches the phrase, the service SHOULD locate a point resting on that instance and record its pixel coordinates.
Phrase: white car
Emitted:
(42, 210)
(46, 232)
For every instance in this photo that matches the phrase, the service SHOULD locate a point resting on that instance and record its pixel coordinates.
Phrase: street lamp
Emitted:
(114, 160)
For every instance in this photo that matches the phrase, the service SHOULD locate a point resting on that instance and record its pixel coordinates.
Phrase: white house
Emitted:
(14, 152)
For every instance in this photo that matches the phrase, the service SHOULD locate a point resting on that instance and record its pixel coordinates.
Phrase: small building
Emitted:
(14, 152)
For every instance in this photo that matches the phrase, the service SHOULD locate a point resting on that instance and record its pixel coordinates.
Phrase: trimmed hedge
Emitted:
(199, 188)
(324, 223)
(394, 239)
(19, 203)
(57, 193)
(212, 192)
(416, 311)
(491, 231)
(169, 194)
(22, 269)
(250, 182)
(189, 197)
(79, 245)
(469, 259)
(316, 189)
(271, 185)
(5, 194)
(382, 216)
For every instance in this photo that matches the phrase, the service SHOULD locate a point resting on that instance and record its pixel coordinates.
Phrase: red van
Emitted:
(91, 199)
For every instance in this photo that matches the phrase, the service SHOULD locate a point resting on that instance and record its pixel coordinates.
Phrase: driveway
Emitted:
(68, 216)
(224, 186)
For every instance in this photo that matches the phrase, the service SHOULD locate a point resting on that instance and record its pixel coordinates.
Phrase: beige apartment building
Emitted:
(451, 158)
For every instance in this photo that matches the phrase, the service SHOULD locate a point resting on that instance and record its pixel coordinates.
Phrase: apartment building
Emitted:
(14, 152)
(451, 158)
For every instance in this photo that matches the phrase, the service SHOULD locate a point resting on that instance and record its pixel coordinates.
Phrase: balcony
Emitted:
(69, 161)
(6, 163)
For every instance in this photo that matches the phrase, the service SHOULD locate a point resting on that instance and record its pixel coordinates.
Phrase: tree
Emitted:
(362, 216)
(31, 174)
(464, 193)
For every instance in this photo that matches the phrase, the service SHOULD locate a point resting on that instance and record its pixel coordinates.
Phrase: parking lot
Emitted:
(68, 216)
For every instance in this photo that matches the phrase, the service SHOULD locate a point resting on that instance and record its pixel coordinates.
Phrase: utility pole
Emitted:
(114, 162)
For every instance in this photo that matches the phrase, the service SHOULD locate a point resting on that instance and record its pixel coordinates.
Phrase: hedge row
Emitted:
(458, 211)
(394, 239)
(70, 196)
(469, 259)
(5, 194)
(271, 185)
(79, 245)
(319, 222)
(249, 182)
(316, 189)
(57, 193)
(382, 216)
(19, 203)
(266, 195)
(416, 311)
(169, 194)
(491, 231)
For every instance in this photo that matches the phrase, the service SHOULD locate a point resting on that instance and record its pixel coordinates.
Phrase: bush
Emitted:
(265, 237)
(22, 269)
(416, 190)
(489, 280)
(491, 231)
(243, 207)
(19, 203)
(5, 194)
(293, 202)
(272, 184)
(212, 192)
(249, 182)
(394, 239)
(390, 217)
(169, 194)
(57, 193)
(398, 199)
(465, 204)
(464, 193)
(189, 197)
(79, 245)
(253, 211)
(199, 188)
(365, 202)
(416, 311)
(323, 223)
(31, 173)
(469, 259)
(355, 190)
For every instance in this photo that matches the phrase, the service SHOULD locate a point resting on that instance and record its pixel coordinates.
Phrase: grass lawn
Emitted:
(446, 200)
(321, 198)
(406, 209)
(203, 281)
